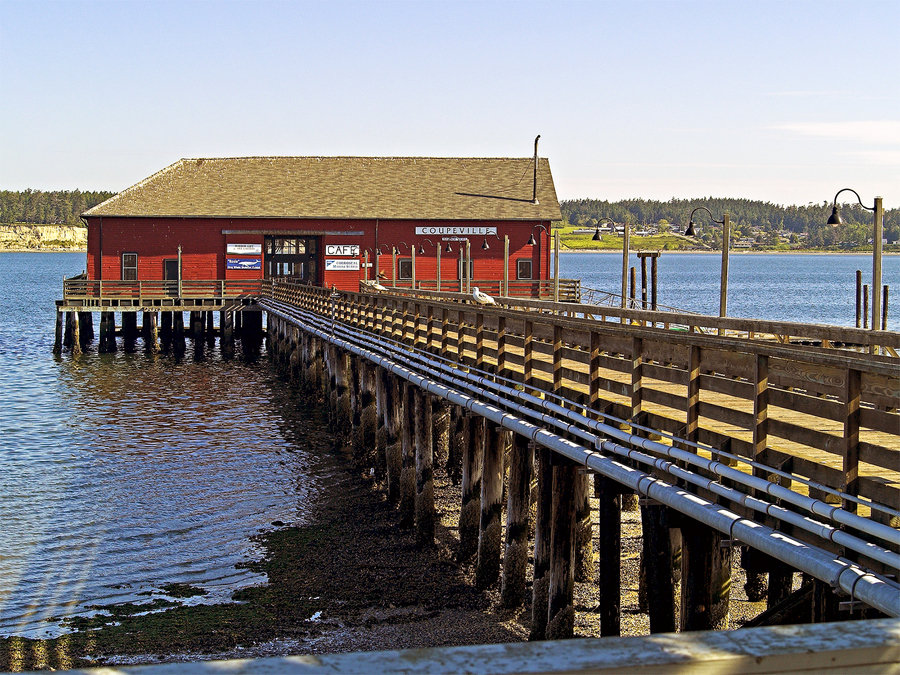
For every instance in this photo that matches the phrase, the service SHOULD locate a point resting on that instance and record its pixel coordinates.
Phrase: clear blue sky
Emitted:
(780, 101)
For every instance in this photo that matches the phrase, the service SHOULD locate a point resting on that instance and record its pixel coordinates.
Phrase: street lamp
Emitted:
(726, 244)
(533, 242)
(835, 219)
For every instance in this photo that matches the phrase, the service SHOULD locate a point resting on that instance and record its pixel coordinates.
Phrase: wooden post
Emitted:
(165, 330)
(382, 402)
(692, 424)
(394, 440)
(408, 465)
(226, 341)
(705, 578)
(455, 450)
(609, 545)
(631, 292)
(470, 511)
(560, 607)
(210, 326)
(653, 279)
(528, 370)
(657, 556)
(479, 341)
(643, 281)
(58, 335)
(584, 546)
(440, 417)
(178, 332)
(129, 329)
(518, 511)
(501, 346)
(151, 333)
(541, 586)
(490, 535)
(852, 393)
(425, 514)
(859, 292)
(86, 327)
(74, 334)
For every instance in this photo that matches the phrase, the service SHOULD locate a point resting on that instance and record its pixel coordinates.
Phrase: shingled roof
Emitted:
(419, 188)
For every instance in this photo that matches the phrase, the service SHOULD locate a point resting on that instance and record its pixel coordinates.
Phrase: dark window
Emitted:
(404, 268)
(523, 268)
(459, 269)
(129, 266)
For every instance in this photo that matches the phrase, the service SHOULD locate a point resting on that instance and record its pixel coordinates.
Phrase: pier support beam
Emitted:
(609, 545)
(107, 332)
(657, 557)
(73, 333)
(226, 342)
(150, 332)
(584, 547)
(470, 511)
(58, 335)
(542, 534)
(705, 578)
(178, 333)
(86, 326)
(425, 514)
(408, 459)
(518, 512)
(394, 440)
(490, 534)
(165, 330)
(129, 330)
(560, 606)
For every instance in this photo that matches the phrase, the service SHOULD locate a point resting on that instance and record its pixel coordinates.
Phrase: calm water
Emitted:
(804, 288)
(122, 473)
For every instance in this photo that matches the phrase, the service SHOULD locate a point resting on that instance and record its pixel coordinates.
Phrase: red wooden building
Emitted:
(328, 221)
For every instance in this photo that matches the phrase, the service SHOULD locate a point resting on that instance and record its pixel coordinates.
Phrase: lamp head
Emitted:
(531, 241)
(449, 248)
(689, 232)
(835, 217)
(421, 249)
(597, 236)
(484, 245)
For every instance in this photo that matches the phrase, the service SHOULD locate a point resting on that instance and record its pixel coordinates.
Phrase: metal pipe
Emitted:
(559, 412)
(874, 590)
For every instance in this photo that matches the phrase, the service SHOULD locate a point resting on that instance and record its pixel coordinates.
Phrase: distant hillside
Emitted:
(57, 207)
(760, 221)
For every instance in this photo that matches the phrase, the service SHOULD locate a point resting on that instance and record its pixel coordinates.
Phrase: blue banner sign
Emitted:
(243, 263)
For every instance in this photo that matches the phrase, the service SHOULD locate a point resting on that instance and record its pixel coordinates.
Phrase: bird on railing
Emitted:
(375, 286)
(482, 298)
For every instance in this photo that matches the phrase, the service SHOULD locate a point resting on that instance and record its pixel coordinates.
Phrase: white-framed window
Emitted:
(523, 268)
(459, 269)
(129, 266)
(404, 268)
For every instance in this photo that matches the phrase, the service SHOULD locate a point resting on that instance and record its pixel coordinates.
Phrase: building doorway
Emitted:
(295, 258)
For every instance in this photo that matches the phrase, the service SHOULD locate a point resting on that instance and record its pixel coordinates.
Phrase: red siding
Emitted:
(203, 242)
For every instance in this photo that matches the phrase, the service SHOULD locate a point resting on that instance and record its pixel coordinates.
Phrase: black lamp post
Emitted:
(726, 244)
(878, 208)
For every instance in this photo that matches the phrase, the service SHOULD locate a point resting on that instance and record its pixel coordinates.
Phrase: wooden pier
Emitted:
(575, 399)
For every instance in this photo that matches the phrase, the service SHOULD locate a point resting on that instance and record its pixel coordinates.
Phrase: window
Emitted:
(523, 268)
(404, 268)
(129, 266)
(459, 269)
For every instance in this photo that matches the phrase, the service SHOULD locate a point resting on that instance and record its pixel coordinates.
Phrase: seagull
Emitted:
(377, 287)
(482, 298)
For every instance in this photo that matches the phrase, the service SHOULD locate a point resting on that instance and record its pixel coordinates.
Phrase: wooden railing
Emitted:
(92, 289)
(820, 415)
(569, 289)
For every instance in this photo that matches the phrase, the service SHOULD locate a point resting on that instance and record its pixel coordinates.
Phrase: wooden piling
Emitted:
(560, 606)
(226, 341)
(394, 448)
(440, 417)
(705, 578)
(584, 546)
(129, 330)
(86, 326)
(457, 438)
(425, 513)
(542, 527)
(74, 331)
(490, 535)
(151, 333)
(165, 330)
(470, 511)
(408, 459)
(518, 512)
(609, 545)
(657, 556)
(58, 334)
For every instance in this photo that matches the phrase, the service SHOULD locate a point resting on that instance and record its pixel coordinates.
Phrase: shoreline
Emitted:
(731, 252)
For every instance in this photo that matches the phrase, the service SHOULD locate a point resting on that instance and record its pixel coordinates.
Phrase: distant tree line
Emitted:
(56, 207)
(748, 218)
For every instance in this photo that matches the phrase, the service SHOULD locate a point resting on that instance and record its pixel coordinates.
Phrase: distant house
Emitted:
(319, 219)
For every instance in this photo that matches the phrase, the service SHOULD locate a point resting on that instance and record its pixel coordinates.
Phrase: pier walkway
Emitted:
(773, 439)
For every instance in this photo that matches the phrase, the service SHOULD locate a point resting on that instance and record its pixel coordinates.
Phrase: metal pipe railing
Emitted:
(873, 589)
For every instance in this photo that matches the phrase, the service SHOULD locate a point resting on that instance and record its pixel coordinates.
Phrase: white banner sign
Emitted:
(454, 230)
(244, 249)
(342, 249)
(341, 265)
